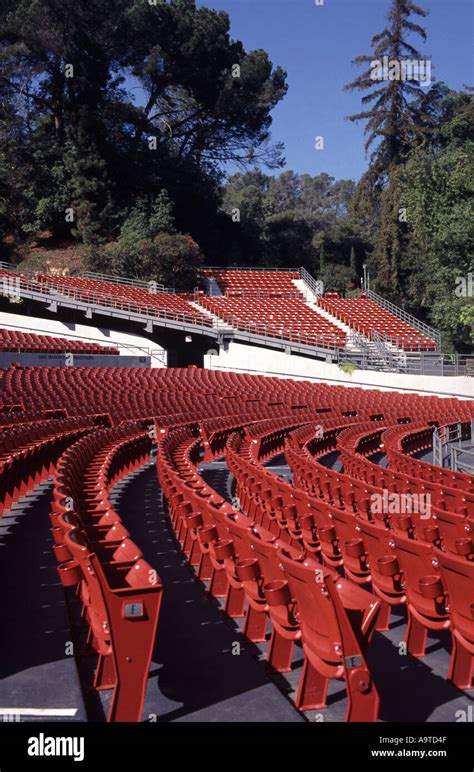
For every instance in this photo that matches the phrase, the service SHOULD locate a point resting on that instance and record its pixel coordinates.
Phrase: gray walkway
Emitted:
(35, 671)
(194, 676)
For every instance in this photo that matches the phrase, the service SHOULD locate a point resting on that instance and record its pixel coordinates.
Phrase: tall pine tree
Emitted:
(393, 88)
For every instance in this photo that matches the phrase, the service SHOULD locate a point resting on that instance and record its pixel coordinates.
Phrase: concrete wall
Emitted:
(260, 361)
(128, 344)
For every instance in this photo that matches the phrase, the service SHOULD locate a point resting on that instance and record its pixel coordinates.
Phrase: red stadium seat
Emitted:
(337, 622)
(458, 575)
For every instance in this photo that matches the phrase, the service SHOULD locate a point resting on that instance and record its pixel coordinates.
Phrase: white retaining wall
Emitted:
(260, 361)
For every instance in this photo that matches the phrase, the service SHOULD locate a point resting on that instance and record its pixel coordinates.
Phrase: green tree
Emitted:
(321, 258)
(66, 113)
(353, 262)
(437, 191)
(393, 121)
(174, 260)
(161, 216)
(336, 278)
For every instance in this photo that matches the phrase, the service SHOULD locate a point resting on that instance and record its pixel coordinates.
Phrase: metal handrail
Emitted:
(305, 276)
(155, 353)
(413, 363)
(405, 316)
(359, 340)
(15, 285)
(462, 466)
(444, 437)
(409, 362)
(210, 268)
(315, 286)
(380, 346)
(138, 283)
(266, 294)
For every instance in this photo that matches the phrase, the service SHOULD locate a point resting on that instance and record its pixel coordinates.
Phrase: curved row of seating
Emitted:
(312, 560)
(138, 392)
(240, 564)
(14, 414)
(261, 577)
(120, 593)
(400, 444)
(29, 452)
(13, 340)
(422, 560)
(362, 478)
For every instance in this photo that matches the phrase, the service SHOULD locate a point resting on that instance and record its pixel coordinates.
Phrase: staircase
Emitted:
(375, 353)
(212, 287)
(216, 320)
(311, 300)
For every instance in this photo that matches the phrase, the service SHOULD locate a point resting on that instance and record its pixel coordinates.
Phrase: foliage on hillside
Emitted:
(119, 122)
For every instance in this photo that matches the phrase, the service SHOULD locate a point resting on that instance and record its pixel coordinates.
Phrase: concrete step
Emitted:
(212, 287)
(312, 301)
(216, 319)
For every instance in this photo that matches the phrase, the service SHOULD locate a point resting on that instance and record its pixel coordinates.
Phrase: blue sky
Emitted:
(315, 45)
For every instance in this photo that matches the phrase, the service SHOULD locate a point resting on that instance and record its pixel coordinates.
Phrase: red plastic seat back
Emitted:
(265, 549)
(239, 528)
(319, 627)
(458, 576)
(383, 561)
(421, 576)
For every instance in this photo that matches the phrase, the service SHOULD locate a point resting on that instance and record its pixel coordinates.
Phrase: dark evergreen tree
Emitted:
(353, 262)
(94, 149)
(321, 258)
(394, 118)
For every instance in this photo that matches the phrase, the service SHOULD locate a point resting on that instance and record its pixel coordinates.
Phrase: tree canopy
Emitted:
(140, 132)
(108, 102)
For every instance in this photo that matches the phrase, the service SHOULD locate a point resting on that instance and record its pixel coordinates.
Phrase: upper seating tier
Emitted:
(366, 316)
(269, 303)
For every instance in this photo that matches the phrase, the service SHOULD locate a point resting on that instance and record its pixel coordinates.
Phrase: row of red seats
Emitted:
(133, 393)
(144, 301)
(29, 453)
(119, 591)
(362, 478)
(13, 340)
(128, 394)
(18, 416)
(382, 542)
(364, 315)
(216, 431)
(259, 281)
(400, 444)
(286, 523)
(371, 494)
(282, 313)
(288, 318)
(446, 496)
(405, 565)
(264, 578)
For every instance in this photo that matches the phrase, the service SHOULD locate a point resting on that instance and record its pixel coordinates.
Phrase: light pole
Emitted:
(365, 276)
